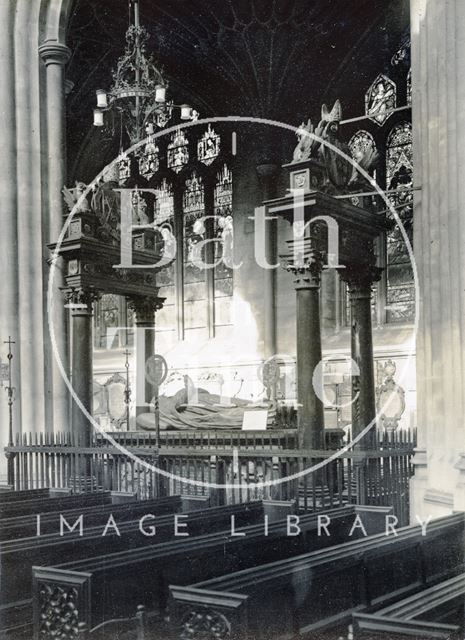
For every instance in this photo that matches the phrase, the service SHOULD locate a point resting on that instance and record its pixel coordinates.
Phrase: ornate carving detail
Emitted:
(307, 271)
(145, 307)
(204, 624)
(390, 398)
(82, 297)
(323, 144)
(58, 612)
(75, 198)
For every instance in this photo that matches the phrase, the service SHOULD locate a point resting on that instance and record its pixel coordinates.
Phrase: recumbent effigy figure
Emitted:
(184, 406)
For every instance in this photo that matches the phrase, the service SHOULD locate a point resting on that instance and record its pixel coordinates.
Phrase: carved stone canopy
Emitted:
(353, 228)
(92, 265)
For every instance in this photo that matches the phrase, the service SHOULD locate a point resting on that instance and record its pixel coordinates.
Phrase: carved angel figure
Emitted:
(75, 198)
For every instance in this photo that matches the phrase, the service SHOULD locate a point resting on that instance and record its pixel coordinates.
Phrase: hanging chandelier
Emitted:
(139, 90)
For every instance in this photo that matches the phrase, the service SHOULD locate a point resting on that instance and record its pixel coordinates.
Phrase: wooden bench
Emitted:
(436, 612)
(12, 496)
(322, 588)
(45, 504)
(17, 557)
(115, 583)
(25, 526)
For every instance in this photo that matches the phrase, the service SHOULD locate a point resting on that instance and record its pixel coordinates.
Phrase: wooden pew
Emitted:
(322, 588)
(29, 494)
(44, 504)
(436, 612)
(115, 583)
(25, 526)
(17, 557)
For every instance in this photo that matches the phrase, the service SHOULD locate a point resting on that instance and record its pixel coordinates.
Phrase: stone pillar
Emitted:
(268, 174)
(360, 279)
(9, 287)
(144, 309)
(308, 350)
(55, 56)
(438, 96)
(80, 302)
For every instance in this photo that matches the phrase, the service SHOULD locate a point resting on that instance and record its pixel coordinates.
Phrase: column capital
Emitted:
(80, 300)
(145, 307)
(307, 270)
(54, 52)
(360, 278)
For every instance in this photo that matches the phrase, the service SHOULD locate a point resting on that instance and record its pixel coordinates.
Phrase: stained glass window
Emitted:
(164, 220)
(380, 99)
(223, 230)
(360, 143)
(399, 179)
(149, 160)
(208, 147)
(124, 169)
(164, 203)
(178, 152)
(195, 280)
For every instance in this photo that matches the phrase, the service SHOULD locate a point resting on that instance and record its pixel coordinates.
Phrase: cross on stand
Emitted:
(10, 390)
(127, 391)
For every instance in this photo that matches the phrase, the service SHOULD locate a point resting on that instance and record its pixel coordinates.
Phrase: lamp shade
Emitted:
(102, 100)
(160, 93)
(186, 112)
(98, 118)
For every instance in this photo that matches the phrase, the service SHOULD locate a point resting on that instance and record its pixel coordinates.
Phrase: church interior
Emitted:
(232, 319)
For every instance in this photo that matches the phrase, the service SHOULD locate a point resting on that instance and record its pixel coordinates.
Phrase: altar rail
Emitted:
(377, 477)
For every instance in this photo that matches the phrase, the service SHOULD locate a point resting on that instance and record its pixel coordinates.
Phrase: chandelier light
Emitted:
(139, 90)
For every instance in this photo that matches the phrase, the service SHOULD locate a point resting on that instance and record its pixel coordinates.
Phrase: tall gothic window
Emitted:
(388, 131)
(195, 292)
(223, 232)
(192, 191)
(399, 181)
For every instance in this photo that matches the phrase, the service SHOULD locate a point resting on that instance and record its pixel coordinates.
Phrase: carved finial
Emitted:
(335, 115)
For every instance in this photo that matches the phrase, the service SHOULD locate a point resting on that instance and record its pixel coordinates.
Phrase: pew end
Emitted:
(192, 611)
(120, 497)
(278, 509)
